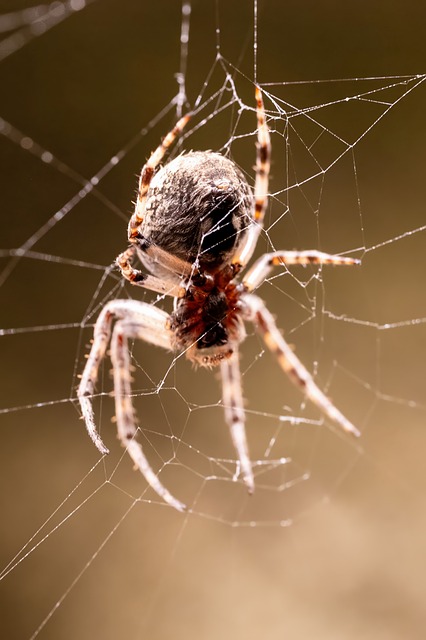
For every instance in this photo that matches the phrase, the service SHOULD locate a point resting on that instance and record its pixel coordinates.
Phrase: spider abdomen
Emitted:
(198, 208)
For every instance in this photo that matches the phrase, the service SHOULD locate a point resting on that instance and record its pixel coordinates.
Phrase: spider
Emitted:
(195, 227)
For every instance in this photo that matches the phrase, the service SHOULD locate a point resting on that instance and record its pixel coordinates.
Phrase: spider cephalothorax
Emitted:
(195, 227)
(206, 322)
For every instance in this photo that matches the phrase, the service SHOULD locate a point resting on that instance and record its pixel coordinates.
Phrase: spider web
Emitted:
(329, 543)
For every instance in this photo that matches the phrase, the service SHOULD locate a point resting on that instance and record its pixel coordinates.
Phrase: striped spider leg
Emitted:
(265, 325)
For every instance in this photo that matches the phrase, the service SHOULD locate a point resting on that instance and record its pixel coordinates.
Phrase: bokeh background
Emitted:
(351, 563)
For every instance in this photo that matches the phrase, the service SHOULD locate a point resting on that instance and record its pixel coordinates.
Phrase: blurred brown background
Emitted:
(352, 563)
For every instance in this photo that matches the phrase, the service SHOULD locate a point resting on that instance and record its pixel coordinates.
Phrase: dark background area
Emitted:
(352, 564)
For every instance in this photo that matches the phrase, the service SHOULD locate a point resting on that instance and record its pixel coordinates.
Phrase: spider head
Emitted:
(209, 357)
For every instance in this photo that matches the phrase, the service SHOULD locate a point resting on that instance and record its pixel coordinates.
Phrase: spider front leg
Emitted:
(89, 376)
(135, 320)
(264, 265)
(124, 411)
(256, 312)
(235, 416)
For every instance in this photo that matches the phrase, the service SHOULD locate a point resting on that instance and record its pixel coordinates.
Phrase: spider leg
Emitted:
(264, 265)
(124, 410)
(263, 164)
(147, 173)
(168, 261)
(235, 416)
(139, 320)
(256, 311)
(86, 388)
(141, 279)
